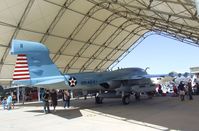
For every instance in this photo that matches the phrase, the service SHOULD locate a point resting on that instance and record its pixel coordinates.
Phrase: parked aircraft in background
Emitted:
(35, 68)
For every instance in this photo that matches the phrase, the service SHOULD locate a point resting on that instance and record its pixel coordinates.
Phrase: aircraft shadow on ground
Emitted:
(64, 113)
(70, 113)
(158, 111)
(168, 112)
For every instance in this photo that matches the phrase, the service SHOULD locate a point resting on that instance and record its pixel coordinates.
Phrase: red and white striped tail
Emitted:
(21, 71)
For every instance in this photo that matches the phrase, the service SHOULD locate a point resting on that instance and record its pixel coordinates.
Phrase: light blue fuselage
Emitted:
(44, 73)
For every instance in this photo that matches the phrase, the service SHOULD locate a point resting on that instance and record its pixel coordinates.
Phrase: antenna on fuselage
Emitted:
(146, 69)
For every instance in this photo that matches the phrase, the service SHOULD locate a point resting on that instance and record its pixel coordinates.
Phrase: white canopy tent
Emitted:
(91, 35)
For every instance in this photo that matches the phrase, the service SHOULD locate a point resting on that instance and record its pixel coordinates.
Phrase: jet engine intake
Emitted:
(111, 84)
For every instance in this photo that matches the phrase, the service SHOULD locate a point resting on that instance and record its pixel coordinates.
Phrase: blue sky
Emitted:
(162, 55)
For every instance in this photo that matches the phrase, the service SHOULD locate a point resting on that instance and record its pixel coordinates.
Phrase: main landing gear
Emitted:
(150, 94)
(126, 98)
(98, 100)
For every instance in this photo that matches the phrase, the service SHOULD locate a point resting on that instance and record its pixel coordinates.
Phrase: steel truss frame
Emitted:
(161, 22)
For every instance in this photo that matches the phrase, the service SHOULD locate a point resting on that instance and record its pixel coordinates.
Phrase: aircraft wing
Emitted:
(137, 77)
(155, 76)
(47, 82)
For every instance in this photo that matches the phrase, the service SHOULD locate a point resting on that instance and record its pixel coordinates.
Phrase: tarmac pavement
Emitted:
(157, 114)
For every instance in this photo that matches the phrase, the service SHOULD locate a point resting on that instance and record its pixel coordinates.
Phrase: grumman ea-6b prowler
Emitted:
(35, 68)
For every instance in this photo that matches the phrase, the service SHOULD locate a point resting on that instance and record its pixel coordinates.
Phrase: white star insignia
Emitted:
(72, 81)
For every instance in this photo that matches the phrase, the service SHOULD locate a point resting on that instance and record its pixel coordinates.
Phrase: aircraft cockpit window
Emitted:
(139, 72)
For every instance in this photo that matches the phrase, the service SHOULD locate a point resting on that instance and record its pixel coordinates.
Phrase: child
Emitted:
(9, 101)
(4, 103)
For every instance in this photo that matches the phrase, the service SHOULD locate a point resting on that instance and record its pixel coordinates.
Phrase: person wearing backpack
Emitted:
(66, 98)
(46, 98)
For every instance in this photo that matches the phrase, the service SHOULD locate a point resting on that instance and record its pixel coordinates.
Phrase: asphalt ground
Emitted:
(158, 114)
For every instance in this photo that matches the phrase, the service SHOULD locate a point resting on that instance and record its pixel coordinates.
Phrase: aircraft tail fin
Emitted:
(33, 63)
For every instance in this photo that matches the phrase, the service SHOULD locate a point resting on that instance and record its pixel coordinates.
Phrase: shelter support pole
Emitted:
(18, 94)
(23, 95)
(38, 92)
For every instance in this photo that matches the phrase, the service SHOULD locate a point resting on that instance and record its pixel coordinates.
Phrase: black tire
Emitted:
(137, 96)
(126, 99)
(98, 100)
(150, 95)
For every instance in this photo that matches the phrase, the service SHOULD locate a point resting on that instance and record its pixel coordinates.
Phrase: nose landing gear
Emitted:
(126, 99)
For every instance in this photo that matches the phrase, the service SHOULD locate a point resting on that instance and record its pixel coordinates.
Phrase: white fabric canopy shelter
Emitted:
(91, 35)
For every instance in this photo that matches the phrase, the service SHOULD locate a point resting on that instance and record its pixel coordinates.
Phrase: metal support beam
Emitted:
(150, 20)
(120, 45)
(107, 43)
(133, 46)
(188, 10)
(21, 21)
(130, 6)
(76, 31)
(56, 20)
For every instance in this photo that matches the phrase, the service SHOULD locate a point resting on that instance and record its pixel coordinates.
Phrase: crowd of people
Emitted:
(8, 101)
(51, 98)
(48, 97)
(181, 90)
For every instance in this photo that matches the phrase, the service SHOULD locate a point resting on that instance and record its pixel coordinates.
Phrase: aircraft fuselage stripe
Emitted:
(23, 74)
(21, 71)
(21, 67)
(26, 78)
(22, 62)
(20, 59)
(21, 55)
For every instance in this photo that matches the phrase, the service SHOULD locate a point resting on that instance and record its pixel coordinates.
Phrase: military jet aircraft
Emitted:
(35, 68)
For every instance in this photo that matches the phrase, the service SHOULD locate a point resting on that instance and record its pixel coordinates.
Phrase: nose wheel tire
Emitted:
(98, 100)
(126, 99)
(150, 95)
(137, 96)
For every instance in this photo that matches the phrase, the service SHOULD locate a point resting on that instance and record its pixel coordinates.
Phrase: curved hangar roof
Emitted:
(87, 35)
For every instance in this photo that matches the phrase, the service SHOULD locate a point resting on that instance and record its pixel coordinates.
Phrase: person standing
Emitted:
(9, 101)
(160, 89)
(175, 90)
(46, 98)
(181, 89)
(53, 95)
(197, 88)
(3, 102)
(14, 99)
(66, 98)
(190, 91)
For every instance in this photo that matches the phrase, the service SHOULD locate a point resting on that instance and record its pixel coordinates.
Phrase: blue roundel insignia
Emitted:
(72, 81)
